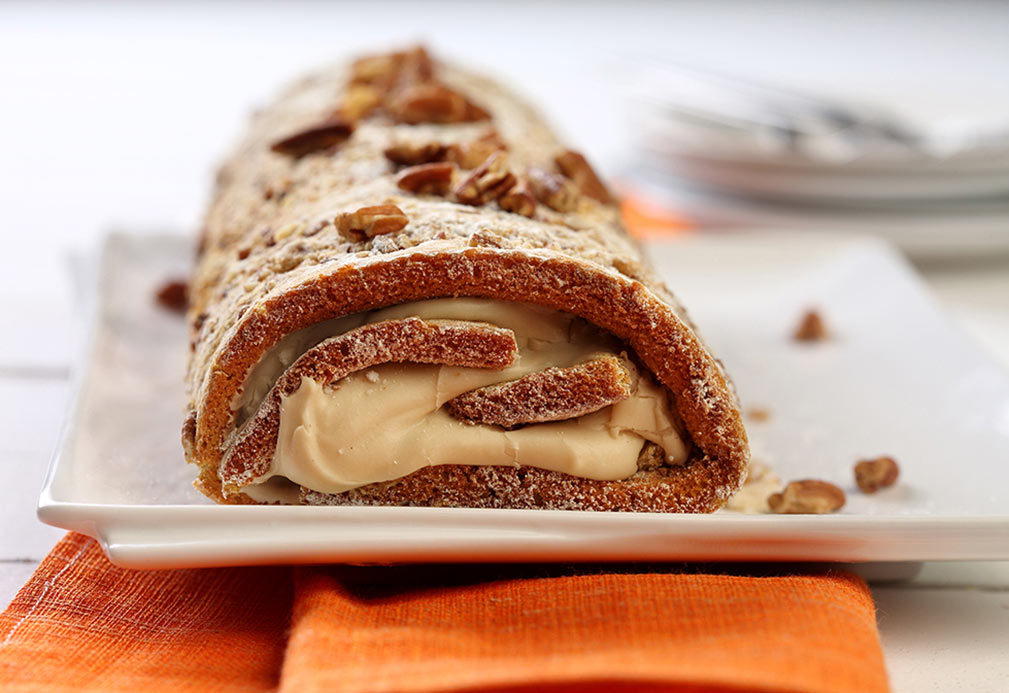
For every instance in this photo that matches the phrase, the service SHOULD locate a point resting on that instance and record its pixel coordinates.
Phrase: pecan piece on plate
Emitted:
(811, 328)
(808, 496)
(880, 472)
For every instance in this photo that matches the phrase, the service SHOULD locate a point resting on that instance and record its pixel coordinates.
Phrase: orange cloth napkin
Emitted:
(81, 623)
(647, 219)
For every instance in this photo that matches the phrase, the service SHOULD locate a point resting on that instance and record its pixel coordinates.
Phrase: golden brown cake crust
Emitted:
(274, 260)
(650, 490)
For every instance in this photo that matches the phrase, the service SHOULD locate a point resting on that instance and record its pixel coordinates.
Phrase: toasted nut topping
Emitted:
(406, 154)
(428, 103)
(433, 103)
(376, 69)
(372, 221)
(488, 182)
(552, 190)
(811, 328)
(383, 71)
(880, 472)
(475, 114)
(361, 99)
(416, 65)
(574, 166)
(473, 153)
(487, 239)
(173, 295)
(519, 200)
(431, 179)
(330, 133)
(808, 496)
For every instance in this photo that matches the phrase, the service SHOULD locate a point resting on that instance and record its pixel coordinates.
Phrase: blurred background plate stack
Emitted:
(748, 146)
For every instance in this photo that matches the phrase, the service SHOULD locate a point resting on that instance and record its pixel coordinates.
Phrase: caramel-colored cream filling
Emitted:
(388, 421)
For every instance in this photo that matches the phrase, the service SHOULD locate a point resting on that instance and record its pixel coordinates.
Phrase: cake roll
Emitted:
(409, 292)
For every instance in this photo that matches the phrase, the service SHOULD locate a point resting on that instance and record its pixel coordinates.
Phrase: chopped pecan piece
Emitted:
(428, 103)
(432, 179)
(473, 153)
(378, 70)
(360, 100)
(487, 239)
(553, 190)
(416, 66)
(431, 102)
(811, 328)
(475, 114)
(487, 182)
(808, 496)
(325, 135)
(553, 394)
(407, 154)
(372, 221)
(574, 166)
(880, 472)
(519, 200)
(385, 71)
(173, 295)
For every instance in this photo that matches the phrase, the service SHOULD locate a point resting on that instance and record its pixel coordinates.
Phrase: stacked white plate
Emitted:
(731, 151)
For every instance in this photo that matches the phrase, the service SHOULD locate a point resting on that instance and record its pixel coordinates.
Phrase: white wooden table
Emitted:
(114, 115)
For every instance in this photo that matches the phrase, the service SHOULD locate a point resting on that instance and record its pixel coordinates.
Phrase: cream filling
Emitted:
(387, 422)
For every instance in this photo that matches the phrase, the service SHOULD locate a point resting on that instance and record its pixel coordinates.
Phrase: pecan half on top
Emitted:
(369, 222)
(431, 102)
(325, 135)
(474, 152)
(519, 200)
(359, 101)
(489, 181)
(411, 154)
(384, 71)
(554, 191)
(433, 179)
(574, 166)
(807, 496)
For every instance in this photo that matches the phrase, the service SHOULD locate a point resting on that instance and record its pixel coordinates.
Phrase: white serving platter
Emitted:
(897, 378)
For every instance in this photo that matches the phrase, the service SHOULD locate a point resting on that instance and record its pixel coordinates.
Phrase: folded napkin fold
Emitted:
(81, 623)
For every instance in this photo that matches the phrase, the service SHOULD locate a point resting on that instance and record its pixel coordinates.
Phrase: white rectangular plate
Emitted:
(897, 378)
